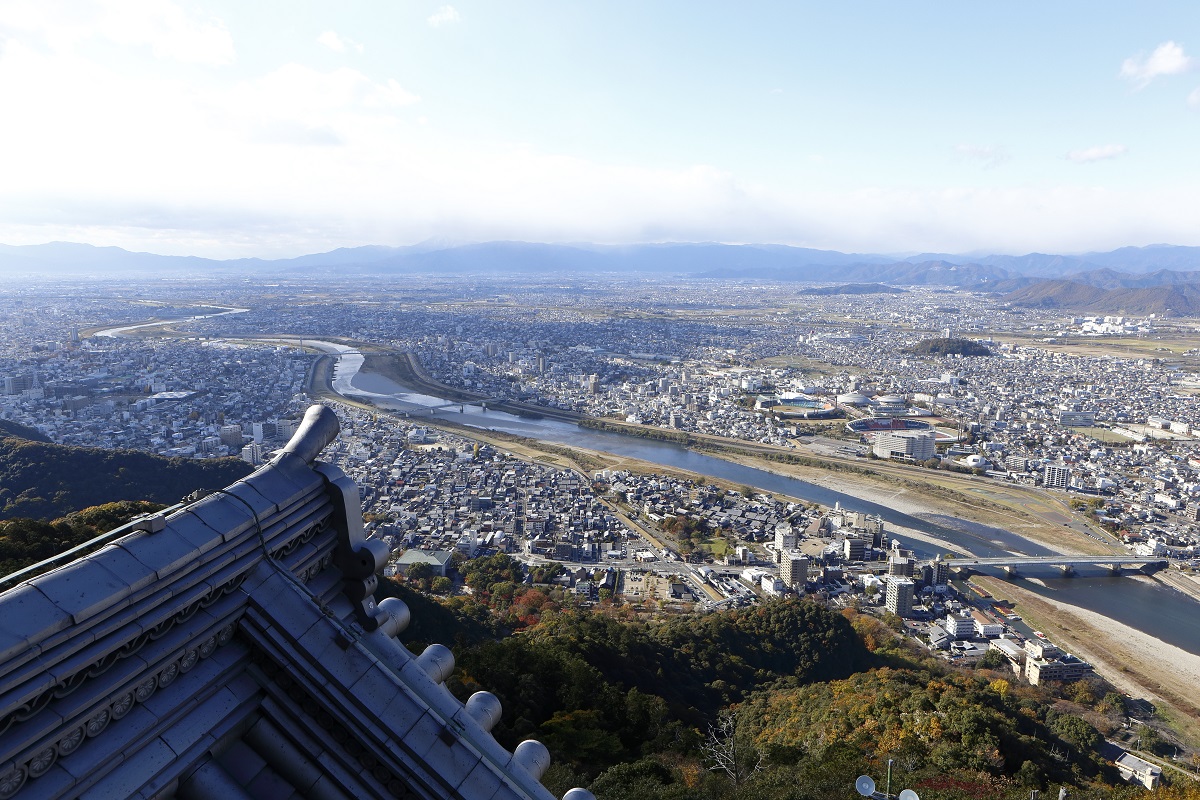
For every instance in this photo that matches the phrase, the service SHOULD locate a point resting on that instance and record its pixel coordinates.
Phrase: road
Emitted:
(112, 333)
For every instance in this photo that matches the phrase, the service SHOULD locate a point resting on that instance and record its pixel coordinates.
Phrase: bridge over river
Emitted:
(1065, 564)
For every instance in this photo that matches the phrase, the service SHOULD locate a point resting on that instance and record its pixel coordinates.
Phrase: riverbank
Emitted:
(1132, 661)
(903, 494)
(405, 369)
(911, 495)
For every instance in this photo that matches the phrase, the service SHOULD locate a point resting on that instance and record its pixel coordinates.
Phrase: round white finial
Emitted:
(437, 661)
(533, 756)
(398, 616)
(484, 708)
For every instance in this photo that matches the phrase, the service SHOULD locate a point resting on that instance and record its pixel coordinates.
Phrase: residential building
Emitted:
(794, 570)
(905, 445)
(899, 598)
(1056, 476)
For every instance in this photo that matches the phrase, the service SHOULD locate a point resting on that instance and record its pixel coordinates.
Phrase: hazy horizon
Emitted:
(436, 244)
(215, 129)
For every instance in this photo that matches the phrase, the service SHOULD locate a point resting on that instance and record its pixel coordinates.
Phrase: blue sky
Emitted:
(277, 128)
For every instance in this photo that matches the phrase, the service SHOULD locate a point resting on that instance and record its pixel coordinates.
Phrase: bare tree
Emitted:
(729, 747)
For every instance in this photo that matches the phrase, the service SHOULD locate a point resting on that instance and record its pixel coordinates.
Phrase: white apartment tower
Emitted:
(1056, 476)
(899, 599)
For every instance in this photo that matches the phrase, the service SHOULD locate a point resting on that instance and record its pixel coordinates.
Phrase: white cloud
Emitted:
(988, 155)
(1100, 152)
(163, 26)
(298, 159)
(338, 44)
(444, 16)
(1167, 59)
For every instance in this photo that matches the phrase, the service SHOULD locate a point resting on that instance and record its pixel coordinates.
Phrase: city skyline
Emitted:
(211, 129)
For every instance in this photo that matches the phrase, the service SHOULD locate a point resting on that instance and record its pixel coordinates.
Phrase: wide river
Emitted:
(1160, 611)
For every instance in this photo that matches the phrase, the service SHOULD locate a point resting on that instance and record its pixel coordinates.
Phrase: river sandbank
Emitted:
(1132, 661)
(1136, 662)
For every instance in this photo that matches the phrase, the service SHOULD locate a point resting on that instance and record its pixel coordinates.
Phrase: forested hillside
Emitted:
(27, 541)
(19, 431)
(788, 700)
(44, 481)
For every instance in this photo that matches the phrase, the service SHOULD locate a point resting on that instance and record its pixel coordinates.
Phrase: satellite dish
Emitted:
(865, 786)
(909, 794)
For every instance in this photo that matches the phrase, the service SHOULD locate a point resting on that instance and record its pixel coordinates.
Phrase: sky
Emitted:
(281, 127)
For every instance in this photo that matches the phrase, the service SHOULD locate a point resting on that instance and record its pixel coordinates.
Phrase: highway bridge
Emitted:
(1065, 564)
(483, 403)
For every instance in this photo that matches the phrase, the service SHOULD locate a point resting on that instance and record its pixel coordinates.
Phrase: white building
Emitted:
(900, 596)
(1134, 769)
(1056, 476)
(905, 445)
(785, 537)
(985, 627)
(959, 626)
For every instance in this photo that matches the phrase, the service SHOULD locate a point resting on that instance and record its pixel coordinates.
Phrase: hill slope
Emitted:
(1181, 299)
(18, 431)
(44, 481)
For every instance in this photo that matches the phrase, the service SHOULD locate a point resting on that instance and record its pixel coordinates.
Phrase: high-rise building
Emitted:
(285, 428)
(785, 537)
(873, 525)
(1056, 476)
(231, 436)
(15, 384)
(900, 567)
(252, 453)
(899, 599)
(794, 570)
(264, 431)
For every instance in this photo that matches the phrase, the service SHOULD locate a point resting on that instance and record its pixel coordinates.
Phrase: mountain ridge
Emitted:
(1127, 267)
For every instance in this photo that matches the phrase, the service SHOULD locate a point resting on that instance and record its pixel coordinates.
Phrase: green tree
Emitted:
(420, 573)
(1076, 730)
(993, 659)
(1150, 739)
(646, 779)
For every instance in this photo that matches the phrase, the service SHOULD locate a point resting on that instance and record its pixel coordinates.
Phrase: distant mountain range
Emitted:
(1178, 299)
(1128, 268)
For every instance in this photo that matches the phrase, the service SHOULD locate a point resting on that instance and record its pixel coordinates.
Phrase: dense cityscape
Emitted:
(198, 372)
